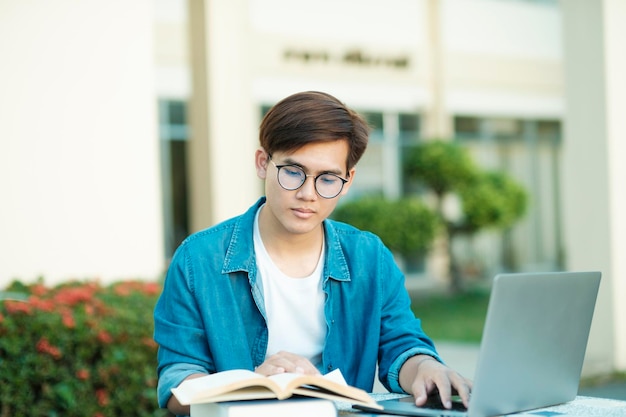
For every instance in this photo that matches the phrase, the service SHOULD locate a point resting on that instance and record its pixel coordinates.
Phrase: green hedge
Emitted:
(78, 349)
(405, 225)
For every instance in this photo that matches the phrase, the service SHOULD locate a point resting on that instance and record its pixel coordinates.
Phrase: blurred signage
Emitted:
(352, 57)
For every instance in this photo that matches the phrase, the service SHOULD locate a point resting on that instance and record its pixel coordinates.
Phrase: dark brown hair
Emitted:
(309, 117)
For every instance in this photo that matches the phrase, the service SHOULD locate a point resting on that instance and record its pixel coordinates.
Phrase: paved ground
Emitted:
(615, 390)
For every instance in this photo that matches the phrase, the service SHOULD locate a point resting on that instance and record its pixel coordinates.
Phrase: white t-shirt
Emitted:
(294, 306)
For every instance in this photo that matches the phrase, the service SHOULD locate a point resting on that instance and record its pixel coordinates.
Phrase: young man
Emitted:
(283, 289)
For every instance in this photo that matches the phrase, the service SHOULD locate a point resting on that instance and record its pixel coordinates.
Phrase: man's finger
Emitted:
(420, 393)
(463, 388)
(443, 383)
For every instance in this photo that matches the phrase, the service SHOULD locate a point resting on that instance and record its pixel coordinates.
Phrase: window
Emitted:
(173, 132)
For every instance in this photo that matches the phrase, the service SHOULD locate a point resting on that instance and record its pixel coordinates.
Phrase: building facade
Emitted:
(429, 69)
(119, 139)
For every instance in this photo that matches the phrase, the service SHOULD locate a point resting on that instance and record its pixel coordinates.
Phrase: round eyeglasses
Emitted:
(291, 177)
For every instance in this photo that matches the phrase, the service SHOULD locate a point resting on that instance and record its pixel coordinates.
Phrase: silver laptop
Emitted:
(532, 349)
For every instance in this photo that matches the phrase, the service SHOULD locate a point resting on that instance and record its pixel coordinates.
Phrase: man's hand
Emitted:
(283, 362)
(176, 407)
(421, 375)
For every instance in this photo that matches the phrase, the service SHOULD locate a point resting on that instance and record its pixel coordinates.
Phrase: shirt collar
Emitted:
(240, 253)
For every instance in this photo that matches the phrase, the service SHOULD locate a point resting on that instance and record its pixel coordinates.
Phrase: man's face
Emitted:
(301, 211)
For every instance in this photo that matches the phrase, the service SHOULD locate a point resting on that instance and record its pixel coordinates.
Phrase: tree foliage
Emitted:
(488, 199)
(492, 200)
(441, 165)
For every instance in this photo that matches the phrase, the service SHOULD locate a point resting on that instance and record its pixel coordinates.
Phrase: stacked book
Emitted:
(242, 393)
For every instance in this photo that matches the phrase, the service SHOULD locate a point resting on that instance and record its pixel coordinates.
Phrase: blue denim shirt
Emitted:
(211, 314)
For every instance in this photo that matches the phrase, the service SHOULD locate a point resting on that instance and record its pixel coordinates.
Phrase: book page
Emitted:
(289, 381)
(353, 397)
(204, 388)
(243, 384)
(330, 386)
(336, 376)
(243, 394)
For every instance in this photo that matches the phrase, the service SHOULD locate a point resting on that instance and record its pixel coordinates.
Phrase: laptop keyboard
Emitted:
(436, 404)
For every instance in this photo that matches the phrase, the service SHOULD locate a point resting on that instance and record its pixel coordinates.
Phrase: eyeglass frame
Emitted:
(315, 177)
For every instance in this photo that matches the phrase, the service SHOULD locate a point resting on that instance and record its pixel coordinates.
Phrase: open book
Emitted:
(241, 384)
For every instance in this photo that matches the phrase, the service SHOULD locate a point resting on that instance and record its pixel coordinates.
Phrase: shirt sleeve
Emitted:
(401, 333)
(171, 376)
(394, 370)
(178, 330)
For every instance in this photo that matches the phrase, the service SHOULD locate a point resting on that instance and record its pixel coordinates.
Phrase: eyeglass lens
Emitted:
(291, 177)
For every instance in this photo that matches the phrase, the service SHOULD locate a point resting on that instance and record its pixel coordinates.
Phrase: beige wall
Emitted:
(79, 179)
(614, 33)
(593, 169)
(224, 127)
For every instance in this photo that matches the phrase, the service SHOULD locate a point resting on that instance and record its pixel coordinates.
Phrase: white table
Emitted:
(579, 407)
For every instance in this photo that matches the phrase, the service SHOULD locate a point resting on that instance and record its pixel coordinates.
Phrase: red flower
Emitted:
(18, 307)
(38, 289)
(122, 289)
(89, 309)
(149, 342)
(41, 304)
(147, 288)
(97, 307)
(151, 288)
(44, 346)
(104, 337)
(70, 296)
(68, 319)
(82, 374)
(102, 397)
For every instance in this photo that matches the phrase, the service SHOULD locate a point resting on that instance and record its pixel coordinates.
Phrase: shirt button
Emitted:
(330, 367)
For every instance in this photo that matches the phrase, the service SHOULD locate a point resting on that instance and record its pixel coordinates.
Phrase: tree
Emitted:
(488, 199)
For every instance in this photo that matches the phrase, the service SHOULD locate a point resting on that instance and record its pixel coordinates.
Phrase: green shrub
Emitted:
(406, 226)
(493, 200)
(79, 349)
